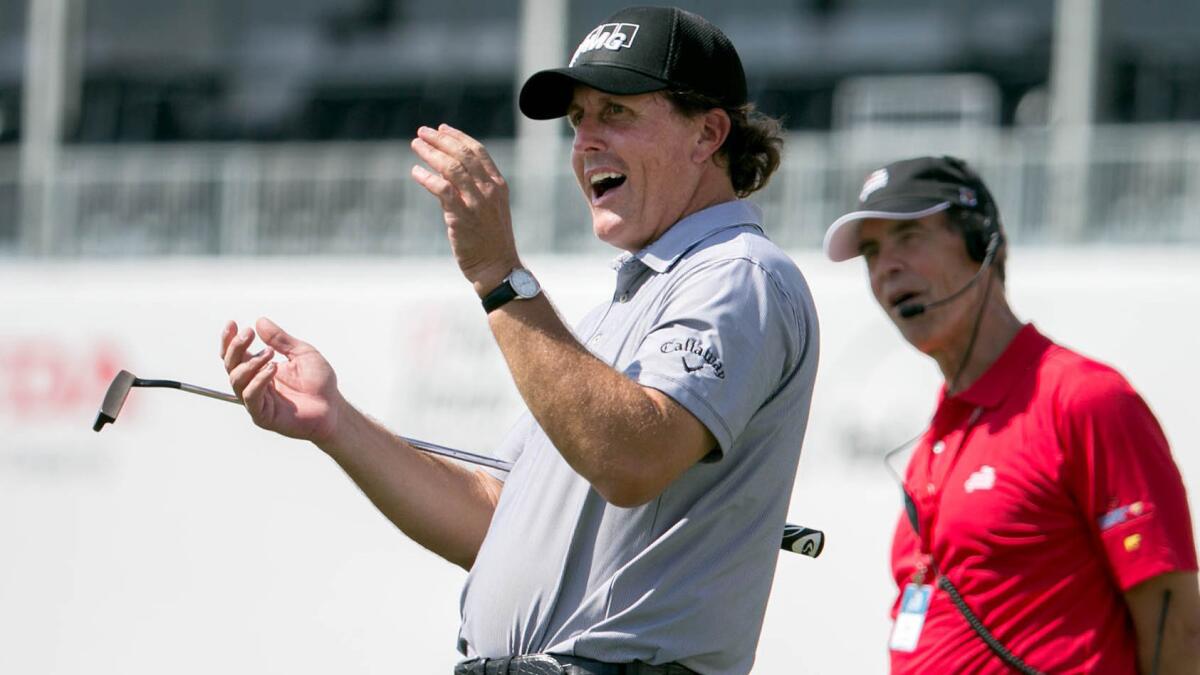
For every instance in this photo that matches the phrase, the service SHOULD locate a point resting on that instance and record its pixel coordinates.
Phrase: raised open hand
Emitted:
(474, 200)
(298, 398)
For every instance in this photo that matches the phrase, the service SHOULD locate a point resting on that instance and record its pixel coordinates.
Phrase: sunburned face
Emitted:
(634, 158)
(918, 262)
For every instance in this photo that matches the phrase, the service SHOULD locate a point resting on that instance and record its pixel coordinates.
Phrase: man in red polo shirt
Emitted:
(1046, 526)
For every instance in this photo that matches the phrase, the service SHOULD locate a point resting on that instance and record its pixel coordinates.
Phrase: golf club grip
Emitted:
(803, 540)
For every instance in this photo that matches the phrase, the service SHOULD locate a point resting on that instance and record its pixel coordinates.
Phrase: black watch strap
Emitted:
(499, 296)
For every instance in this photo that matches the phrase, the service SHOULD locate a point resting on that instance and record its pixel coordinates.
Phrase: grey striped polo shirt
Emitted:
(721, 320)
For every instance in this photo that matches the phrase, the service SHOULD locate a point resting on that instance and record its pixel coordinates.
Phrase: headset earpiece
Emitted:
(979, 239)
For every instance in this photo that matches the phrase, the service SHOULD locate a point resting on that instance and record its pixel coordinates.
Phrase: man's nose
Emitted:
(588, 135)
(886, 264)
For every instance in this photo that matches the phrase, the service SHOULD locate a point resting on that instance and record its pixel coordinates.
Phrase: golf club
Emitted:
(797, 539)
(118, 390)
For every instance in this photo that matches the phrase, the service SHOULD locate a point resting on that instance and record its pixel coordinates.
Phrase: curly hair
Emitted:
(751, 152)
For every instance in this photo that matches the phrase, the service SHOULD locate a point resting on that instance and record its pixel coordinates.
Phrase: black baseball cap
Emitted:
(907, 190)
(639, 50)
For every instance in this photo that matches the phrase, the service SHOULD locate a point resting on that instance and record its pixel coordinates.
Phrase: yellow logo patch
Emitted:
(1133, 542)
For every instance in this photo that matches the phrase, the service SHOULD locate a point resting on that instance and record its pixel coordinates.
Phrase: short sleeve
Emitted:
(1126, 481)
(725, 339)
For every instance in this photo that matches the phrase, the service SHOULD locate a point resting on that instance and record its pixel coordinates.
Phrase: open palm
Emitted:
(297, 398)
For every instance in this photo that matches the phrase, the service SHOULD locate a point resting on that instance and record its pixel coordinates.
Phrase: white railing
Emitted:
(1135, 183)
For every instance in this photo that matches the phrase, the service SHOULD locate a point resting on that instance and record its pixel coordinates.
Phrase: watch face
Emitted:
(524, 283)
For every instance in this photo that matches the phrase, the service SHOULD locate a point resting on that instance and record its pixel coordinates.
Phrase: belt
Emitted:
(561, 664)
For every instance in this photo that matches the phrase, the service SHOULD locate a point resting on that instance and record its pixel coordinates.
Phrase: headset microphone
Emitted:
(917, 309)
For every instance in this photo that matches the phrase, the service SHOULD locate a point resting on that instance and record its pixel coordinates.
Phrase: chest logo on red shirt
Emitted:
(983, 479)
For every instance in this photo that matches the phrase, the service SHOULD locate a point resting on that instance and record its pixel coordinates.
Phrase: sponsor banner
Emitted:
(183, 509)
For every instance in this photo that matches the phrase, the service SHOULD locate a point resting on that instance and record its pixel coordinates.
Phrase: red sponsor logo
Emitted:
(46, 378)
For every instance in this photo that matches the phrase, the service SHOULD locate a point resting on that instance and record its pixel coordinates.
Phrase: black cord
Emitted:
(1012, 660)
(1162, 627)
(1009, 658)
(993, 245)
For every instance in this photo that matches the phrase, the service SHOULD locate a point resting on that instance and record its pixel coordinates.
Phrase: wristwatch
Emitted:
(518, 285)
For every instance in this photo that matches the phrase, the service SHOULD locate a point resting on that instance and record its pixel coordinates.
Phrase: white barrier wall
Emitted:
(185, 540)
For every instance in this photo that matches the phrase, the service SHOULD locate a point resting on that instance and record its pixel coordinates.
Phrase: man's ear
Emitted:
(714, 129)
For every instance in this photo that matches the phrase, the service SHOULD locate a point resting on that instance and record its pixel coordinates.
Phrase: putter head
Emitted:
(114, 399)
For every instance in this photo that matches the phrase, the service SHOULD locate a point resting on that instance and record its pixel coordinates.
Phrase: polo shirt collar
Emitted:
(1001, 378)
(662, 254)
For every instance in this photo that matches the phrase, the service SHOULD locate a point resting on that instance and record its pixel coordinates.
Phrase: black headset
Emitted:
(978, 234)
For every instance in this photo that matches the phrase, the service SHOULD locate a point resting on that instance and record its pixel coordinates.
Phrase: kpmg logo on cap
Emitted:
(878, 179)
(610, 36)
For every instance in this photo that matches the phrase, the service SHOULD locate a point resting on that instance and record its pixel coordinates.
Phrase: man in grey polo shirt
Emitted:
(638, 530)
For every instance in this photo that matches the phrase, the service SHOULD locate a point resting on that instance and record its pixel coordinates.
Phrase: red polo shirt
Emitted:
(1058, 498)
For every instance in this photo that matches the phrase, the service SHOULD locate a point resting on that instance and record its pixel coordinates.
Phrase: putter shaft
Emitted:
(219, 395)
(797, 539)
(432, 448)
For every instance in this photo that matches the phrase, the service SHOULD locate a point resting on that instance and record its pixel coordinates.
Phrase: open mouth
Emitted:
(901, 298)
(606, 181)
